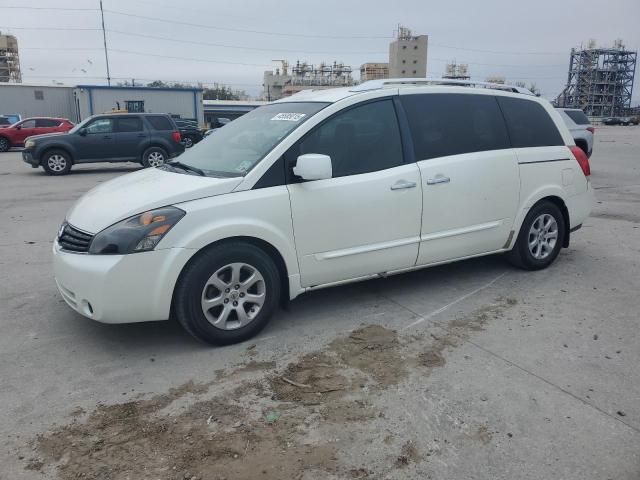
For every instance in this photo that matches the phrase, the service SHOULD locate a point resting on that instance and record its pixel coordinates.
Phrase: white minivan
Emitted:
(322, 188)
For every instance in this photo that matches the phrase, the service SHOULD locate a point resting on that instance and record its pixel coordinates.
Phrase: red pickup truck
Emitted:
(15, 135)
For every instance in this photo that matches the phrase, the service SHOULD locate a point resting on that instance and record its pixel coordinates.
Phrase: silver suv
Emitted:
(580, 127)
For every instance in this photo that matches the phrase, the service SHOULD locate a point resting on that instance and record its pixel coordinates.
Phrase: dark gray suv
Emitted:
(150, 139)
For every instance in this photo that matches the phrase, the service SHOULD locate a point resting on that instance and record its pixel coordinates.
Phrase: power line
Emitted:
(64, 29)
(228, 29)
(222, 45)
(64, 9)
(500, 52)
(191, 59)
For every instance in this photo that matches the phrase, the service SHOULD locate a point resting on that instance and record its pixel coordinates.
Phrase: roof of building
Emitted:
(124, 87)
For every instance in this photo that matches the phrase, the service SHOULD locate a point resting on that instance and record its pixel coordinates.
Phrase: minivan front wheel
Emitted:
(227, 293)
(56, 162)
(541, 237)
(154, 157)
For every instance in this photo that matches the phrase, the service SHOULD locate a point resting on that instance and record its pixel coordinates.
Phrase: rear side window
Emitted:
(159, 122)
(129, 124)
(46, 123)
(452, 124)
(529, 123)
(578, 117)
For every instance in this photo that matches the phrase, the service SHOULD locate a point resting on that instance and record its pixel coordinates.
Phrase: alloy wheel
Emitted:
(57, 163)
(155, 159)
(543, 236)
(233, 296)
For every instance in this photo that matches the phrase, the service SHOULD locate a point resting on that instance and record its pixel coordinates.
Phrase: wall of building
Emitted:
(408, 57)
(102, 99)
(37, 101)
(373, 71)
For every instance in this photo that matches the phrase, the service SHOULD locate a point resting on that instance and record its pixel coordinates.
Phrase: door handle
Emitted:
(438, 179)
(401, 184)
(141, 135)
(107, 137)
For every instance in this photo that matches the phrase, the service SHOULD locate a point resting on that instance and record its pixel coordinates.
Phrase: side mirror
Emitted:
(82, 131)
(18, 127)
(313, 166)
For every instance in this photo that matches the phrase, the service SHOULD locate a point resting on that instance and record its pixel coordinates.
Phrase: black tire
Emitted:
(56, 162)
(4, 144)
(521, 255)
(191, 287)
(188, 141)
(150, 157)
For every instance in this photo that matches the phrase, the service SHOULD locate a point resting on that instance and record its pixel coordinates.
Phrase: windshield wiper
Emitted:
(189, 168)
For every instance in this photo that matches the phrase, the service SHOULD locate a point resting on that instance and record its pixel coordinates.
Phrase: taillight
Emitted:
(582, 159)
(591, 129)
(176, 137)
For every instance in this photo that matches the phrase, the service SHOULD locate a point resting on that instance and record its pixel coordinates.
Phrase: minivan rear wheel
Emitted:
(540, 239)
(227, 293)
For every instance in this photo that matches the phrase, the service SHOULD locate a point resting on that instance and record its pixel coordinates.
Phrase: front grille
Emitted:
(74, 240)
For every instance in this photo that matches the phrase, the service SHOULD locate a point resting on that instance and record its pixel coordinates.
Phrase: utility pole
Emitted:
(104, 37)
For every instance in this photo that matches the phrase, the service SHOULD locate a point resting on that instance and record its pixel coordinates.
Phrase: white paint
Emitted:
(456, 301)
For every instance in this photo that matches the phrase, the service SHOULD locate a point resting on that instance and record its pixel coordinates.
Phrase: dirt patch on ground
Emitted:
(408, 453)
(215, 438)
(262, 422)
(374, 350)
(317, 378)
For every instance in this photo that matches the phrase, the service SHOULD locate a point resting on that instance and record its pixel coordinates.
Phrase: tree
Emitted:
(220, 92)
(533, 88)
(157, 84)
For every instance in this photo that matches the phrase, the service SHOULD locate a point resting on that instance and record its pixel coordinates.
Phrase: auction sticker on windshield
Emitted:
(289, 117)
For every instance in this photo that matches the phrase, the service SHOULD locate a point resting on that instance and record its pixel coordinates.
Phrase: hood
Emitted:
(140, 191)
(47, 135)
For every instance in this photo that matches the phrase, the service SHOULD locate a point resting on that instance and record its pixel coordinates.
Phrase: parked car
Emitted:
(189, 131)
(150, 139)
(5, 122)
(611, 121)
(580, 127)
(16, 134)
(322, 188)
(13, 117)
(634, 120)
(625, 121)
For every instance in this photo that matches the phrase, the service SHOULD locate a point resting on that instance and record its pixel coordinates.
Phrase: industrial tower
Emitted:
(9, 59)
(600, 80)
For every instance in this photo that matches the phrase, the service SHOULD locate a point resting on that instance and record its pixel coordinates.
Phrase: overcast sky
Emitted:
(233, 42)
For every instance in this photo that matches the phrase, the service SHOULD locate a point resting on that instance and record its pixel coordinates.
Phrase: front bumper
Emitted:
(27, 157)
(119, 288)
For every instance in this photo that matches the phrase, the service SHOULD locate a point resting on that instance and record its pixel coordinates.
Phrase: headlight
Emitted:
(29, 144)
(139, 233)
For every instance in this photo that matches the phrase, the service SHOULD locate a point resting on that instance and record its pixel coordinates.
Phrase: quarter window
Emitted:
(453, 124)
(101, 125)
(129, 124)
(158, 122)
(529, 123)
(360, 140)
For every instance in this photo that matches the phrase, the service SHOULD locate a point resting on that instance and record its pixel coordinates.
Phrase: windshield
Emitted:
(237, 147)
(78, 126)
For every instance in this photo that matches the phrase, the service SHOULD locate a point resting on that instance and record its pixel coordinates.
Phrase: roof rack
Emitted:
(418, 82)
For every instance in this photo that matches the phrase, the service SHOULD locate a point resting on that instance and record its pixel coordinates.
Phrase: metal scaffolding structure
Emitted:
(9, 59)
(600, 80)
